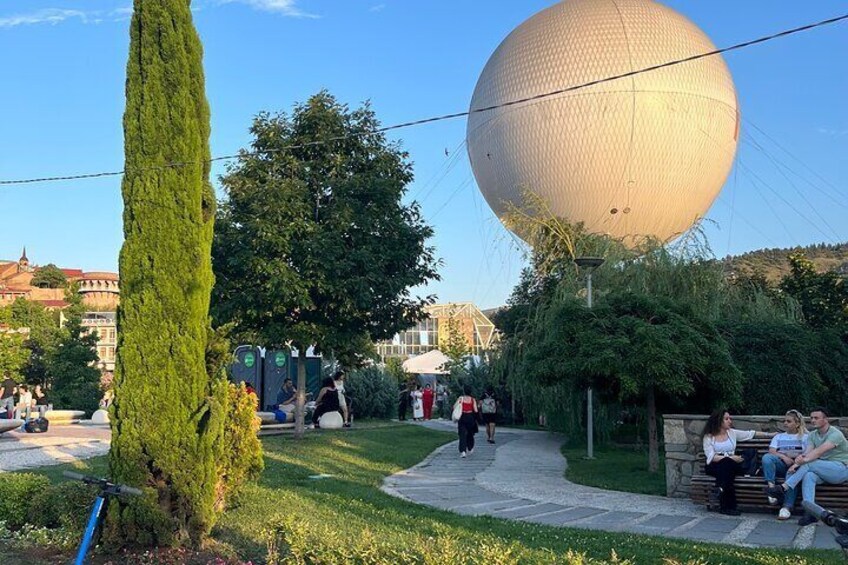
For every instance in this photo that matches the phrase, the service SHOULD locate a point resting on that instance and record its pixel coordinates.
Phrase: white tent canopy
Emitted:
(430, 363)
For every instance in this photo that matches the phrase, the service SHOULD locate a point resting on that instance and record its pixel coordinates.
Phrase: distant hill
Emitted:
(773, 263)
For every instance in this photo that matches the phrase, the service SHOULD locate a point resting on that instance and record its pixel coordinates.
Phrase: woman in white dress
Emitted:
(417, 403)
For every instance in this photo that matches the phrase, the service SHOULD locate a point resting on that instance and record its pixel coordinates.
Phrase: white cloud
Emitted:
(51, 16)
(377, 8)
(833, 132)
(283, 7)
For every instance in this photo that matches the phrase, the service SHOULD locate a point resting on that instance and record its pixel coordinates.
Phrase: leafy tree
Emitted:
(13, 354)
(49, 276)
(70, 365)
(823, 296)
(314, 245)
(455, 345)
(167, 417)
(632, 346)
(778, 365)
(43, 338)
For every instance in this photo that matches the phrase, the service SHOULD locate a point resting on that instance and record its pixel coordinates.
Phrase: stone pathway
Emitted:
(521, 477)
(60, 444)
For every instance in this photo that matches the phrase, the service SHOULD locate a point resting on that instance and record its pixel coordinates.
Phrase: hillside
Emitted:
(774, 265)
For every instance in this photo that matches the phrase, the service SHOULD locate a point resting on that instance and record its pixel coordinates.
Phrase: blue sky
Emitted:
(62, 101)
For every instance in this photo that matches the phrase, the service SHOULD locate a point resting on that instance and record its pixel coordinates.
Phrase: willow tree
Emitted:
(166, 419)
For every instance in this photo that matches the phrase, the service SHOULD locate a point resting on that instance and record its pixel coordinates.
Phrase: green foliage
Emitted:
(13, 355)
(314, 243)
(167, 417)
(620, 468)
(17, 491)
(64, 505)
(241, 458)
(823, 296)
(70, 366)
(394, 368)
(374, 393)
(778, 369)
(455, 345)
(49, 276)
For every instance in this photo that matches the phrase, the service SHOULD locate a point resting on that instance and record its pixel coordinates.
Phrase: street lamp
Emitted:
(589, 263)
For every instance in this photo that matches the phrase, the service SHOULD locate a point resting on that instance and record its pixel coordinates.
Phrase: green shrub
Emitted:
(17, 492)
(63, 505)
(241, 459)
(374, 393)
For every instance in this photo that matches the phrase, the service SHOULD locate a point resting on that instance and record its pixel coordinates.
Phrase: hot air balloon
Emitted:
(639, 156)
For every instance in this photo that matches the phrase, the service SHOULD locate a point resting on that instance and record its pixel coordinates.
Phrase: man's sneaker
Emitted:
(784, 514)
(807, 519)
(777, 492)
(772, 500)
(462, 455)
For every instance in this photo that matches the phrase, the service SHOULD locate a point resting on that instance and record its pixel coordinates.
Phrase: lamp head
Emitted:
(590, 262)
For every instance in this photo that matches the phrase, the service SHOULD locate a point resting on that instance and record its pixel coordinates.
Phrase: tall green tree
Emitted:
(634, 348)
(167, 417)
(314, 245)
(49, 276)
(70, 365)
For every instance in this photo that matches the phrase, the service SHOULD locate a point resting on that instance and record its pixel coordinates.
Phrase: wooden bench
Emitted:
(750, 494)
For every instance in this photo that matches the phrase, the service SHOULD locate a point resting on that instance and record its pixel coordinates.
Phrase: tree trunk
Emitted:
(300, 403)
(653, 441)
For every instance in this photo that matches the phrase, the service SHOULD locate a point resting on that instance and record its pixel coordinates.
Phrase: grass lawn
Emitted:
(615, 468)
(288, 509)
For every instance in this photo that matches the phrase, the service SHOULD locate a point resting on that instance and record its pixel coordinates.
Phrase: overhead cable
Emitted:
(454, 115)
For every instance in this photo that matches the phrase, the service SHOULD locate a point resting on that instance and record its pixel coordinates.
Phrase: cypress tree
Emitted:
(167, 411)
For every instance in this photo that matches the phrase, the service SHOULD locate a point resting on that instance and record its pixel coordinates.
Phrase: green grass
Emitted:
(357, 513)
(615, 468)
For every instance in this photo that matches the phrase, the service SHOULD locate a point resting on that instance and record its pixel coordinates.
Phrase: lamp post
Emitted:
(590, 263)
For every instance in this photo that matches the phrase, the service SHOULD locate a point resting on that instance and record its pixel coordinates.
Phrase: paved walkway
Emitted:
(521, 477)
(60, 444)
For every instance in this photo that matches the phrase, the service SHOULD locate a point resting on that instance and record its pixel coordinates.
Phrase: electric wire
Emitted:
(450, 116)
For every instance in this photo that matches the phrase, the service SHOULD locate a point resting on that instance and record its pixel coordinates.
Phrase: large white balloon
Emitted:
(639, 156)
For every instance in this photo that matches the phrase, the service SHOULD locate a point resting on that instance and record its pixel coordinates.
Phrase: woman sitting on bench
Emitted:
(327, 401)
(783, 450)
(722, 462)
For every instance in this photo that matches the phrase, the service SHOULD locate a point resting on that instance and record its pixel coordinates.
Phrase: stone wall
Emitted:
(682, 435)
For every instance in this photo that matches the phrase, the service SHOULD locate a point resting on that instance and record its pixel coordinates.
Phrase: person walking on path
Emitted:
(722, 462)
(417, 404)
(783, 450)
(467, 424)
(8, 388)
(825, 460)
(489, 411)
(427, 398)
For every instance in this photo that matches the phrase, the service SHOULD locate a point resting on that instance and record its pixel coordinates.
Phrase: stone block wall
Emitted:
(682, 434)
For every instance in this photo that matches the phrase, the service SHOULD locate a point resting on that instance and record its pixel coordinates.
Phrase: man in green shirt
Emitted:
(824, 461)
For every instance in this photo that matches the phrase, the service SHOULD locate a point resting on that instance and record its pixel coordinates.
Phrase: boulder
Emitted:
(100, 417)
(331, 421)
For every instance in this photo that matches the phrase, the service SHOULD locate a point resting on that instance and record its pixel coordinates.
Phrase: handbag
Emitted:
(457, 411)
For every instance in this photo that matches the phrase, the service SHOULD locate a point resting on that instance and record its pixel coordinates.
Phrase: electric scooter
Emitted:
(838, 523)
(107, 489)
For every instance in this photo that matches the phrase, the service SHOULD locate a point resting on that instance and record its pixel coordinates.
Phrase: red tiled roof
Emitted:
(72, 272)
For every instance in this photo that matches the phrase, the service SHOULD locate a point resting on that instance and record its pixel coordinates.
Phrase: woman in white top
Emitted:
(722, 462)
(783, 450)
(417, 403)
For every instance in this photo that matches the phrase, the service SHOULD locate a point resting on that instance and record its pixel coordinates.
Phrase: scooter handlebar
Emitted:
(103, 483)
(826, 516)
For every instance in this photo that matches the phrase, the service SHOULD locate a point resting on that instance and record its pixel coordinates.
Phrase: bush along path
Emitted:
(521, 477)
